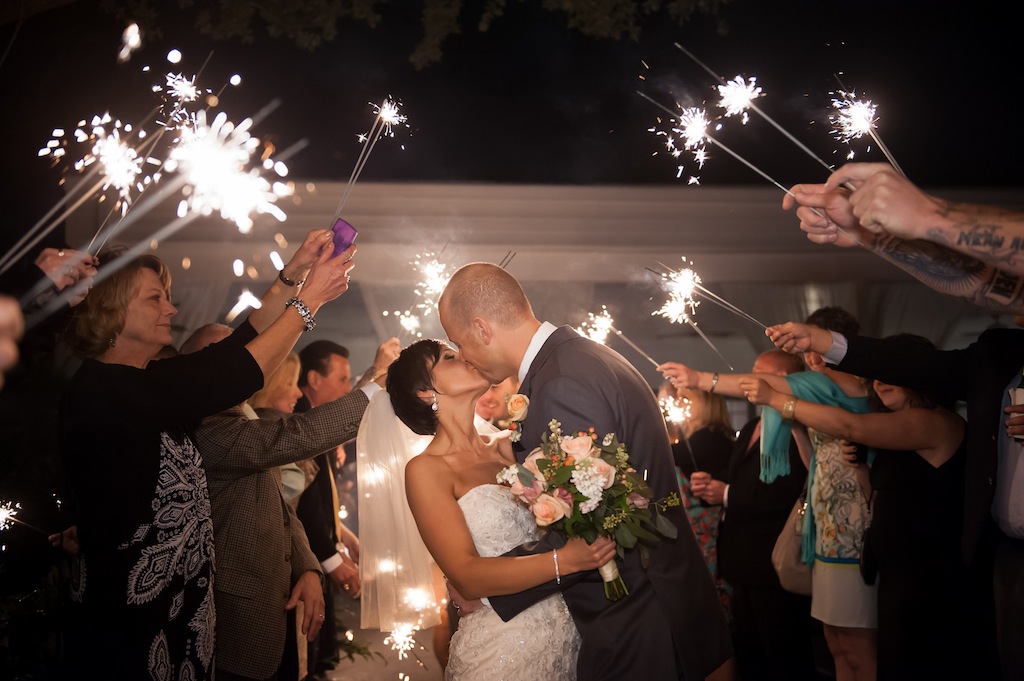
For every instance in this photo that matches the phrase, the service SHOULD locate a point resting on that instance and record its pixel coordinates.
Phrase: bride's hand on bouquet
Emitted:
(577, 555)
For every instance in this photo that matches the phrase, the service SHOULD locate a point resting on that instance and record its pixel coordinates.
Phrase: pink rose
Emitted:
(531, 462)
(604, 470)
(535, 490)
(579, 447)
(638, 500)
(564, 495)
(548, 509)
(517, 487)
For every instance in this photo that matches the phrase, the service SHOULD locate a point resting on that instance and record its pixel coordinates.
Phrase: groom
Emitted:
(671, 625)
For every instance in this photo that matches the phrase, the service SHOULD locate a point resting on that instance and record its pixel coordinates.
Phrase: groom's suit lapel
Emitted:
(560, 335)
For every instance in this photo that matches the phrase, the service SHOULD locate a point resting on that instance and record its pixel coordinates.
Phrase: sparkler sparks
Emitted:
(675, 410)
(8, 511)
(855, 118)
(214, 158)
(738, 95)
(597, 328)
(402, 639)
(682, 289)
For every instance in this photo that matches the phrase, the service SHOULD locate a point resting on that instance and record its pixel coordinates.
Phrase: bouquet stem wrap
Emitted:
(614, 587)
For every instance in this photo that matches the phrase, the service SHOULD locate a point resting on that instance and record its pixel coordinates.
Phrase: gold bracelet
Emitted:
(788, 408)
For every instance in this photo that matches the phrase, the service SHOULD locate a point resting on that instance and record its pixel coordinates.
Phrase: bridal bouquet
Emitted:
(583, 486)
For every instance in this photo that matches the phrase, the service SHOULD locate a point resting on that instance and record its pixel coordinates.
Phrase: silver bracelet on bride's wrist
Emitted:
(558, 575)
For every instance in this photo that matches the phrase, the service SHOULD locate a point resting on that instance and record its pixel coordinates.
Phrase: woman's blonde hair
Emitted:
(707, 410)
(101, 316)
(286, 374)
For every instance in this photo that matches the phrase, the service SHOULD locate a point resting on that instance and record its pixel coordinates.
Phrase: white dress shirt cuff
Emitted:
(837, 352)
(725, 497)
(331, 564)
(370, 388)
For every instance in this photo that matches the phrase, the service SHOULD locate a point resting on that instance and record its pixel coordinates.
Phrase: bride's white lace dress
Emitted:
(539, 643)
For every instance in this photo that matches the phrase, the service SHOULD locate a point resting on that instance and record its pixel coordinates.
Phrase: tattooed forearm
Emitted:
(996, 237)
(956, 274)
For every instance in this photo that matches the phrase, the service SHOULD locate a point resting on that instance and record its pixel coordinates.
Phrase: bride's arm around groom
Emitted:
(671, 625)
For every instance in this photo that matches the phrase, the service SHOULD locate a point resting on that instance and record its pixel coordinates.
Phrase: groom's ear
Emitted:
(482, 331)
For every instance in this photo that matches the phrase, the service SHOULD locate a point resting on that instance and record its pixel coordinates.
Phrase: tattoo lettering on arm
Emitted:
(953, 273)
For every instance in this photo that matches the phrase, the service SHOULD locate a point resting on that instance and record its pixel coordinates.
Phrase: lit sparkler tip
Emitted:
(597, 327)
(389, 114)
(674, 409)
(738, 95)
(853, 118)
(8, 509)
(401, 639)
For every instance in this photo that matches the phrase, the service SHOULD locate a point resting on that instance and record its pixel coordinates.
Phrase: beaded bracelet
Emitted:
(288, 282)
(558, 575)
(303, 311)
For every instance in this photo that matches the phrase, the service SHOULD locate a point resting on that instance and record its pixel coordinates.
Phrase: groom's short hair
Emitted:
(482, 289)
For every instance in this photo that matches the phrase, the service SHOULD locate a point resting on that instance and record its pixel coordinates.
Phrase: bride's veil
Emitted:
(395, 567)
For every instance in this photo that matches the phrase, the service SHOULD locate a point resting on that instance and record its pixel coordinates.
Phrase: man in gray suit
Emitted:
(264, 563)
(671, 625)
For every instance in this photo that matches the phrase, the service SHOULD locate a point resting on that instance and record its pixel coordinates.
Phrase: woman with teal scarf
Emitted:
(932, 620)
(838, 497)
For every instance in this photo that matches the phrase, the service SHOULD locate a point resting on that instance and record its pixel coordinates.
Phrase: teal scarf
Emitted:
(776, 432)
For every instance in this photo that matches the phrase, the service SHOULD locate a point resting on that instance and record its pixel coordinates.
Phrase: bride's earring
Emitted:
(433, 406)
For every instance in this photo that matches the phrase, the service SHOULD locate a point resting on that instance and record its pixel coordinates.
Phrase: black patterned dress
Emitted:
(144, 578)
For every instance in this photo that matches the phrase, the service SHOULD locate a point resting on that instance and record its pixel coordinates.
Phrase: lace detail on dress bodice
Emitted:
(540, 642)
(496, 520)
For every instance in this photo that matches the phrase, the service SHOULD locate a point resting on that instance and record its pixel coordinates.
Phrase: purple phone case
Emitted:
(344, 236)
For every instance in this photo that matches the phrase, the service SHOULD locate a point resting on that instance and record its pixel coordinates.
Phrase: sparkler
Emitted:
(685, 283)
(735, 95)
(214, 157)
(598, 326)
(387, 117)
(678, 411)
(433, 278)
(681, 304)
(692, 130)
(8, 512)
(855, 118)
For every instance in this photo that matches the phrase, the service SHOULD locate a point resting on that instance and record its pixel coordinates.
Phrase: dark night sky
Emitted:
(534, 102)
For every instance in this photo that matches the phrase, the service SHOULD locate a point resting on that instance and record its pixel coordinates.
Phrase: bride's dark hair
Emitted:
(409, 374)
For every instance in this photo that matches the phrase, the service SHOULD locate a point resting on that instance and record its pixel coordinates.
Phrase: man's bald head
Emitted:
(485, 290)
(778, 362)
(205, 335)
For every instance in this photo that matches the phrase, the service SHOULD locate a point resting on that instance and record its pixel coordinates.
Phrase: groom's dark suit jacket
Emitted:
(671, 625)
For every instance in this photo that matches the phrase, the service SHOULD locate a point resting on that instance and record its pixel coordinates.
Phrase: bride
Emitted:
(467, 521)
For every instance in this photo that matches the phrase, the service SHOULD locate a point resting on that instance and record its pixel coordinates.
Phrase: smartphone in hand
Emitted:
(344, 236)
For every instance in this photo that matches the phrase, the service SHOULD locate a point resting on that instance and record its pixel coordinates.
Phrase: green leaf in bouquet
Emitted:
(624, 537)
(525, 476)
(665, 526)
(562, 476)
(644, 534)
